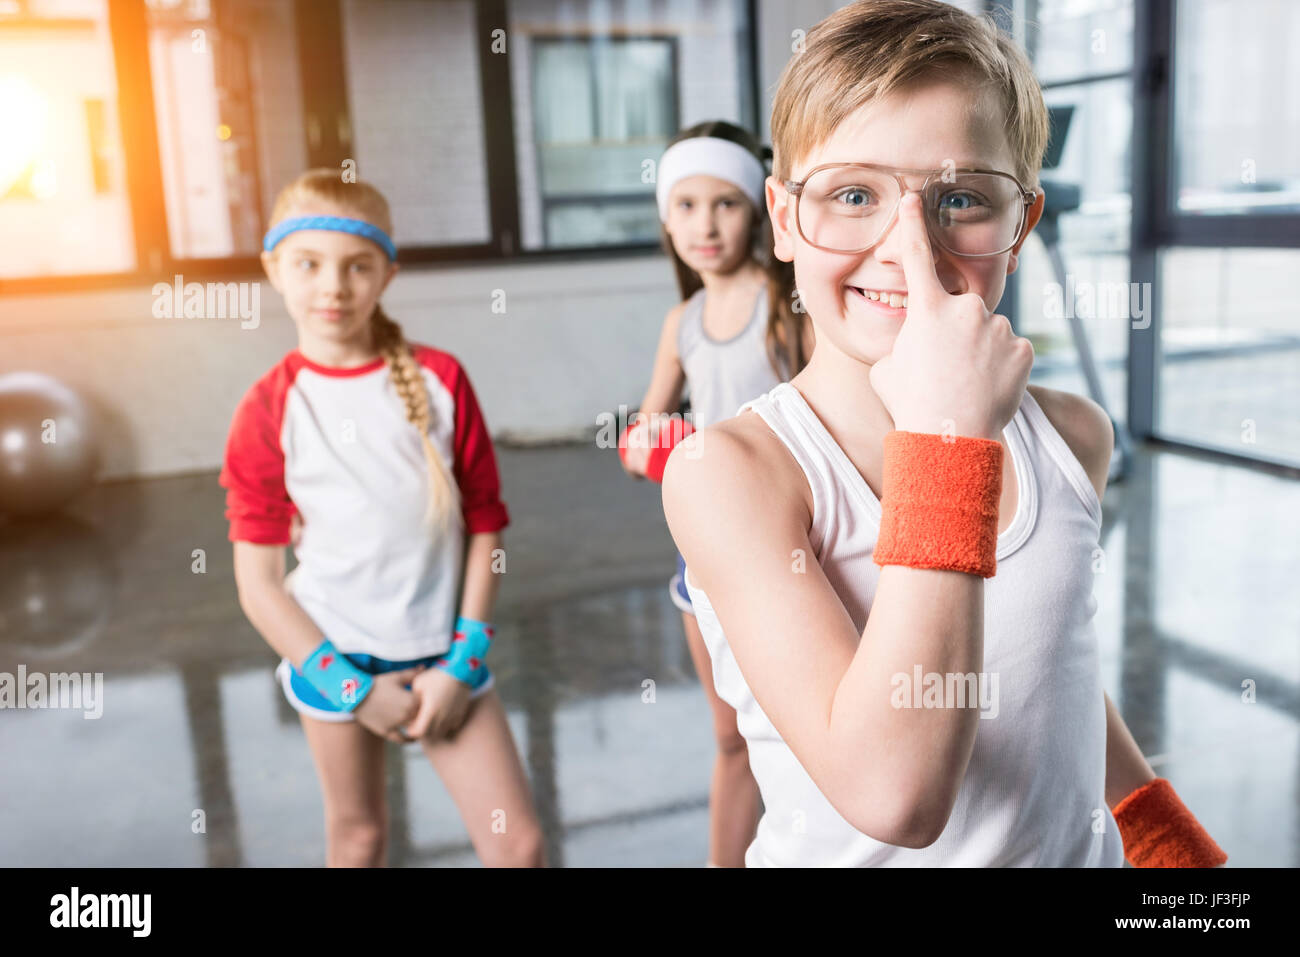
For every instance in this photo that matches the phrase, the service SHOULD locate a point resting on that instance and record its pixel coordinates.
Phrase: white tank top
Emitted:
(724, 374)
(1034, 791)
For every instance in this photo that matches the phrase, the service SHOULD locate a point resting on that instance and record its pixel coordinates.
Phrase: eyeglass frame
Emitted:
(795, 188)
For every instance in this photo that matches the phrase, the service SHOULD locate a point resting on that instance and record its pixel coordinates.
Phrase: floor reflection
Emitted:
(198, 761)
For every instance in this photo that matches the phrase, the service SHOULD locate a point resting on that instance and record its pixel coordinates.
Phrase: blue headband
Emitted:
(336, 223)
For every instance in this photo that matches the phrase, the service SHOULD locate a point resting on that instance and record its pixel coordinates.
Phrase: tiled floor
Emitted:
(1198, 618)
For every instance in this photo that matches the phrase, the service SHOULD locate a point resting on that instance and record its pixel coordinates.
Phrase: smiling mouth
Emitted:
(894, 300)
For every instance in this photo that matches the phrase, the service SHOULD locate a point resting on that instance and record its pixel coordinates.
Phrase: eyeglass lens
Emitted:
(847, 209)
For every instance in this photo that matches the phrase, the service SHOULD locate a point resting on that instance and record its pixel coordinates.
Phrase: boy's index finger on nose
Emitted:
(918, 258)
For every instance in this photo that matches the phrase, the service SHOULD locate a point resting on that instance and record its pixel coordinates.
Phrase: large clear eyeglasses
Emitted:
(846, 207)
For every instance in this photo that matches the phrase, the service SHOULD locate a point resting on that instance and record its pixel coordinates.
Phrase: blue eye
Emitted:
(856, 191)
(305, 264)
(970, 201)
(361, 267)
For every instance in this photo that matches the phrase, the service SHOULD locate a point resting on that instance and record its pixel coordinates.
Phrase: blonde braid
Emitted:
(408, 380)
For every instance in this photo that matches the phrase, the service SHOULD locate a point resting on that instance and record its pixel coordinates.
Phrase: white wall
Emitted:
(576, 339)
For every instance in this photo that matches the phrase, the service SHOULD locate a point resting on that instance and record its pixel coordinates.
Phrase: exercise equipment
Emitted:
(47, 444)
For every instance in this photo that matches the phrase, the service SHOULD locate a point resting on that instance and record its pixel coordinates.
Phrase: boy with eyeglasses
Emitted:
(891, 555)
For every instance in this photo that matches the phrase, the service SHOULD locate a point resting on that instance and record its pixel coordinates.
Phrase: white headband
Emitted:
(710, 156)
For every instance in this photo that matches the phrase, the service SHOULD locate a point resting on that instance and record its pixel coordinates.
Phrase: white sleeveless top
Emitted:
(1034, 791)
(724, 374)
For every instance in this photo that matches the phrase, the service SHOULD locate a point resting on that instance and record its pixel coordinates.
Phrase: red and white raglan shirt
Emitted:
(334, 445)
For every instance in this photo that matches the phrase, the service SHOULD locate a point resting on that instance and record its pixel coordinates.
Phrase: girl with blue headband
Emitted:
(737, 333)
(371, 456)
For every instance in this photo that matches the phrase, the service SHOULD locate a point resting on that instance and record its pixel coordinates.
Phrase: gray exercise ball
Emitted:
(47, 444)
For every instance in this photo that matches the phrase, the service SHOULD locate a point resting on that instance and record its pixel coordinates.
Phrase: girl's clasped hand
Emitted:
(444, 704)
(419, 702)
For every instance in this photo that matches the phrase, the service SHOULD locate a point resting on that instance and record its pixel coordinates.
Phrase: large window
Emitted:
(230, 119)
(1236, 108)
(1073, 40)
(600, 87)
(1229, 373)
(1082, 55)
(600, 109)
(64, 207)
(149, 137)
(1177, 174)
(1221, 223)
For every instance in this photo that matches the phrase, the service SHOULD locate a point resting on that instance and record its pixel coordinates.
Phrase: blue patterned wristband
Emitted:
(466, 659)
(341, 682)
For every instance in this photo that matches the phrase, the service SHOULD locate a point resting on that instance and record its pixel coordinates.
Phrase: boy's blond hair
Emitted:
(872, 48)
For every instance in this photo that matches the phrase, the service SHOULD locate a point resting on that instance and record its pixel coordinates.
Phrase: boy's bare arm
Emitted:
(1126, 768)
(893, 773)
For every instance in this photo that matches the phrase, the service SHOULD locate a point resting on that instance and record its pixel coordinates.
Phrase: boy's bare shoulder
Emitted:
(739, 458)
(1085, 427)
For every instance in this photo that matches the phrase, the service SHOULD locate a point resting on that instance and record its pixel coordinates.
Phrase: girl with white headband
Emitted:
(370, 454)
(736, 334)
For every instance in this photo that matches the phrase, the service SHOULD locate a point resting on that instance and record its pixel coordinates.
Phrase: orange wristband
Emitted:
(939, 502)
(1159, 831)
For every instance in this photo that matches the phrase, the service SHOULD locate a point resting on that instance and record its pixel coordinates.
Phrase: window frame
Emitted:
(588, 38)
(1169, 227)
(1155, 226)
(320, 45)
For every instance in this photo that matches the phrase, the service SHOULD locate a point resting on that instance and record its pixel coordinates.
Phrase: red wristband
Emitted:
(673, 433)
(622, 442)
(667, 440)
(1159, 831)
(627, 431)
(939, 502)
